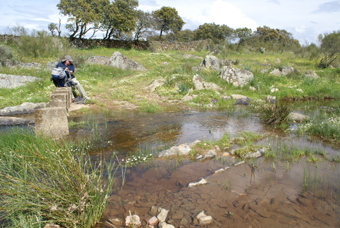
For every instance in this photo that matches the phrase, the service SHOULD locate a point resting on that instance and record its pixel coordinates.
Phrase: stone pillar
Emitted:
(51, 122)
(68, 90)
(58, 100)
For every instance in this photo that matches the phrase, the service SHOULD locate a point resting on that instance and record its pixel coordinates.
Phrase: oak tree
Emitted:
(167, 19)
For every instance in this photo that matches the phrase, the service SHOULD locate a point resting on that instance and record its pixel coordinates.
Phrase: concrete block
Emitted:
(68, 90)
(58, 100)
(51, 122)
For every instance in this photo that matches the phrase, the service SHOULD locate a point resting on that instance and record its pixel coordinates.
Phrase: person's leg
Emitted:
(79, 88)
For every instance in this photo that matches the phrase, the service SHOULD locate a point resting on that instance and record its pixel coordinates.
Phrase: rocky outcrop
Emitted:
(120, 61)
(24, 108)
(100, 60)
(13, 81)
(285, 71)
(200, 84)
(238, 77)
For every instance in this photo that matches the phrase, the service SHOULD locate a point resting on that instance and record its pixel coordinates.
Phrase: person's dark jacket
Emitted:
(70, 67)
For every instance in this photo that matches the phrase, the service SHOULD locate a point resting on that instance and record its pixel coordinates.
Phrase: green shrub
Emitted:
(40, 44)
(5, 53)
(274, 114)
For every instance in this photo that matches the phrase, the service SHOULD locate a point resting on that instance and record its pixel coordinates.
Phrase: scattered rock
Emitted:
(272, 90)
(120, 61)
(204, 219)
(252, 88)
(240, 163)
(299, 90)
(100, 60)
(116, 221)
(189, 97)
(311, 74)
(278, 61)
(162, 215)
(153, 211)
(153, 221)
(276, 72)
(155, 84)
(165, 225)
(24, 108)
(209, 154)
(201, 182)
(294, 116)
(221, 170)
(264, 70)
(13, 81)
(200, 84)
(133, 221)
(271, 99)
(183, 150)
(238, 77)
(287, 70)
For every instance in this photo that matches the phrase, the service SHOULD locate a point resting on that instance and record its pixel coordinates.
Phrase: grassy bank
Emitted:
(45, 181)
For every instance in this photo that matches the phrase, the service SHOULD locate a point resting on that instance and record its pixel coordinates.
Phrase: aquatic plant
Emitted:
(46, 181)
(274, 114)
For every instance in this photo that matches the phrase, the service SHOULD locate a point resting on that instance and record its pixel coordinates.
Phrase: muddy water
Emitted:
(260, 193)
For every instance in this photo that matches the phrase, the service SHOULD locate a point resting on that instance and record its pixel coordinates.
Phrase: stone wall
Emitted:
(142, 45)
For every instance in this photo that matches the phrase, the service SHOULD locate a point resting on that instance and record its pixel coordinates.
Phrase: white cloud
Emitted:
(221, 12)
(300, 29)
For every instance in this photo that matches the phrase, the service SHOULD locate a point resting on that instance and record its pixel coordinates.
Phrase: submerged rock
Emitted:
(13, 121)
(203, 218)
(201, 182)
(133, 221)
(163, 214)
(294, 116)
(24, 108)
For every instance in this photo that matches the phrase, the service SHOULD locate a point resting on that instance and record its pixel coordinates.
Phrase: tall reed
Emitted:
(46, 181)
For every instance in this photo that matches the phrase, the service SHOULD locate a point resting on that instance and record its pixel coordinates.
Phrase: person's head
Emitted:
(67, 60)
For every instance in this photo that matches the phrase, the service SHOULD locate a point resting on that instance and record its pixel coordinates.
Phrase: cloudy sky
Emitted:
(305, 19)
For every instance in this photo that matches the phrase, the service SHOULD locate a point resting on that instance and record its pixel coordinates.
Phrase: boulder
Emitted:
(311, 74)
(13, 121)
(238, 77)
(120, 61)
(212, 62)
(203, 218)
(100, 60)
(200, 84)
(13, 81)
(163, 214)
(276, 72)
(24, 108)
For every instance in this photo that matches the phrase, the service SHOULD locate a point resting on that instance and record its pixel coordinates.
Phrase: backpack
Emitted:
(58, 73)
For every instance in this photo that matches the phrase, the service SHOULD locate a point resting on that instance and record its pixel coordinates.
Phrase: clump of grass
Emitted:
(45, 181)
(149, 108)
(244, 151)
(274, 114)
(328, 128)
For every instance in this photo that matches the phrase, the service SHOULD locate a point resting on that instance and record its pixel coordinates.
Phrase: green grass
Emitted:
(46, 181)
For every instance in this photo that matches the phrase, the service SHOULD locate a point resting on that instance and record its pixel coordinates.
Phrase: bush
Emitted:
(5, 53)
(274, 114)
(39, 44)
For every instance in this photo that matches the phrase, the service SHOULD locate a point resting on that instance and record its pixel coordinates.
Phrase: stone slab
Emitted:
(62, 90)
(58, 100)
(51, 122)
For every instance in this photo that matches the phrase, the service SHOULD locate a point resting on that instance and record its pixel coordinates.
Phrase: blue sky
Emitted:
(305, 19)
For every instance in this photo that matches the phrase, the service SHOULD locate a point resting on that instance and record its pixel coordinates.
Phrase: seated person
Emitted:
(68, 66)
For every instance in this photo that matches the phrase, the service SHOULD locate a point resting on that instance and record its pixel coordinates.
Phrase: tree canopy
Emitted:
(330, 47)
(167, 19)
(213, 31)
